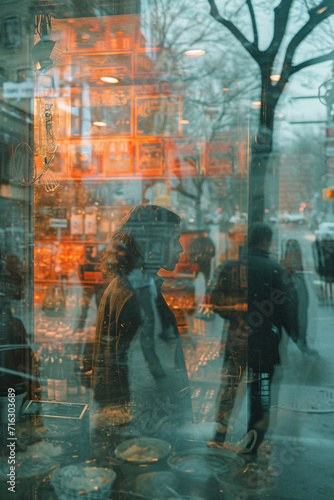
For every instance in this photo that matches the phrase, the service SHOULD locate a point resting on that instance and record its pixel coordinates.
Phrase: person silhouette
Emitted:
(201, 252)
(16, 356)
(266, 289)
(90, 267)
(138, 357)
(293, 262)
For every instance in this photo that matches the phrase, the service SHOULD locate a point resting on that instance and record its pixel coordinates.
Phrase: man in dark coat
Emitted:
(258, 297)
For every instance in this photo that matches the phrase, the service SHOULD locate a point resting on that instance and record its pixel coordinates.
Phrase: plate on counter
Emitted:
(163, 485)
(82, 482)
(142, 450)
(206, 462)
(39, 457)
(113, 417)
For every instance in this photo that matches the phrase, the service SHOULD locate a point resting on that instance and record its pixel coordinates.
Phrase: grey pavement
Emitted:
(296, 460)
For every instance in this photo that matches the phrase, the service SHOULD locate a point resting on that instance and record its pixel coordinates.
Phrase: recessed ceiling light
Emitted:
(109, 79)
(194, 52)
(100, 124)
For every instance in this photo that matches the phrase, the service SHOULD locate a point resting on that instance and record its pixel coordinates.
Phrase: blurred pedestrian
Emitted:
(201, 252)
(293, 262)
(138, 356)
(16, 357)
(258, 297)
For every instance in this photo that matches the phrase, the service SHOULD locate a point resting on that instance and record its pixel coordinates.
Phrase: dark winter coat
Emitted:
(138, 355)
(258, 297)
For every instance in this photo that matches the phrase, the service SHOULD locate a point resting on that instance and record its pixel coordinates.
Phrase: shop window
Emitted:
(2, 76)
(12, 33)
(24, 74)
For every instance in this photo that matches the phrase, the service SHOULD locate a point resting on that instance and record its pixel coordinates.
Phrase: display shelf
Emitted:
(68, 339)
(69, 282)
(68, 241)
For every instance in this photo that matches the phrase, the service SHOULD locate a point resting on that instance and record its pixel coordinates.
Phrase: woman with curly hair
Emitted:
(138, 358)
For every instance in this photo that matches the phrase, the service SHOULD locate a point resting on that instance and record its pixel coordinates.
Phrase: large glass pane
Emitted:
(166, 240)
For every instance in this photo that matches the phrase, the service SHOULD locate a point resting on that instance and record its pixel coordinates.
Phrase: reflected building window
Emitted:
(3, 78)
(12, 33)
(24, 74)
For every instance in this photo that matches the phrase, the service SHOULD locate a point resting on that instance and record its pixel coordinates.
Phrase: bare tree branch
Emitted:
(317, 15)
(198, 182)
(251, 47)
(191, 28)
(254, 25)
(281, 18)
(314, 60)
(180, 189)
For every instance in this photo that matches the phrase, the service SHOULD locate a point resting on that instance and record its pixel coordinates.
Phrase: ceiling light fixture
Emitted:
(109, 79)
(194, 52)
(100, 124)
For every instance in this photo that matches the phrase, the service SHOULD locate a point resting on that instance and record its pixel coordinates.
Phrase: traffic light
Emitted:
(328, 194)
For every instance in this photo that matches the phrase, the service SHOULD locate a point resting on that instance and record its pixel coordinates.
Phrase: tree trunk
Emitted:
(260, 164)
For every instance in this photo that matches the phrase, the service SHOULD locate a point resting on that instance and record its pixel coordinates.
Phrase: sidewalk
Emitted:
(302, 426)
(295, 460)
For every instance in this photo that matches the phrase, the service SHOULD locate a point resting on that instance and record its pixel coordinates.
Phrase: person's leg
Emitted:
(260, 390)
(231, 375)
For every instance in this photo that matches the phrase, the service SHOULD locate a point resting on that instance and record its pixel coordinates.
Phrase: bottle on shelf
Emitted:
(49, 300)
(60, 301)
(44, 367)
(90, 269)
(78, 367)
(54, 301)
(72, 384)
(104, 221)
(60, 379)
(51, 375)
(77, 221)
(91, 221)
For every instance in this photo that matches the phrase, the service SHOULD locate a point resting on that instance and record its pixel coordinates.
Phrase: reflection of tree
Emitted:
(207, 109)
(271, 90)
(174, 27)
(194, 192)
(301, 167)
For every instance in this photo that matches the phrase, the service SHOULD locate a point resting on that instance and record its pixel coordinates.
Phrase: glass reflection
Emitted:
(259, 298)
(138, 363)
